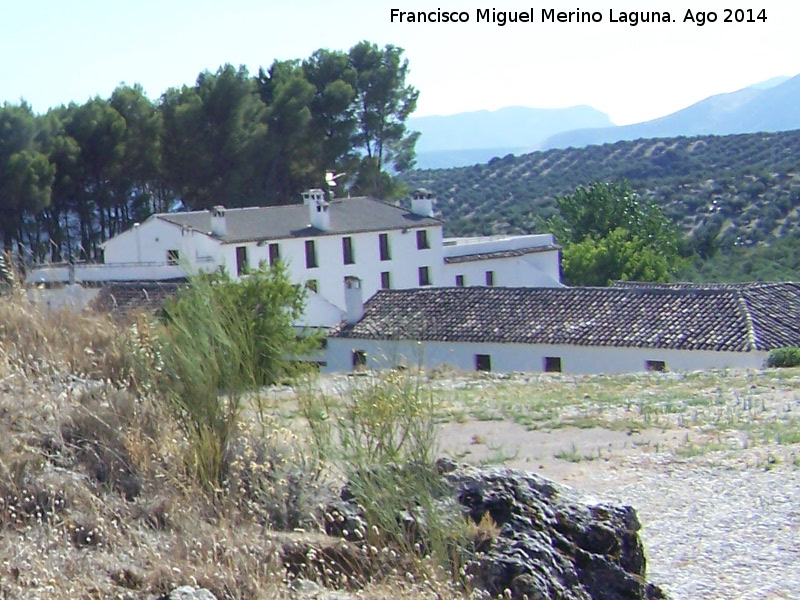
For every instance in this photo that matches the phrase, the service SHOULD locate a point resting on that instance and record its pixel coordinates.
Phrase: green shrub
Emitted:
(381, 433)
(221, 338)
(784, 357)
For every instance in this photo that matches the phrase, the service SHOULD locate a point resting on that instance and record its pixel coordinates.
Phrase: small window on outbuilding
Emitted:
(655, 365)
(383, 246)
(490, 278)
(459, 281)
(422, 239)
(311, 255)
(274, 254)
(173, 257)
(552, 364)
(424, 276)
(483, 362)
(359, 359)
(386, 280)
(347, 251)
(241, 260)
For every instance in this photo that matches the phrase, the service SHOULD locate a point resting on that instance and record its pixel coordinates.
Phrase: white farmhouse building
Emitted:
(321, 243)
(574, 330)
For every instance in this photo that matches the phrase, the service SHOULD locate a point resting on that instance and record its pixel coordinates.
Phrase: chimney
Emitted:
(353, 300)
(318, 209)
(422, 202)
(219, 226)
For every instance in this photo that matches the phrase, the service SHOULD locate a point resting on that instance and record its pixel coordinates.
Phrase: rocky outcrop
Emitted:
(549, 544)
(544, 542)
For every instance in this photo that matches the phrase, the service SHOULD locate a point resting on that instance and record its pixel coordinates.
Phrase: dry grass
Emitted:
(95, 501)
(97, 497)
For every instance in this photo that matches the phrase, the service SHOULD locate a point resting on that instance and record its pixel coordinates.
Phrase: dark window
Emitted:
(173, 257)
(311, 255)
(313, 285)
(386, 280)
(483, 362)
(359, 359)
(347, 250)
(422, 239)
(460, 280)
(552, 364)
(424, 276)
(274, 254)
(655, 365)
(383, 242)
(489, 277)
(241, 260)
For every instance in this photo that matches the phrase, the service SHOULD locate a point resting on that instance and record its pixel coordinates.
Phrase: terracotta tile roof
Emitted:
(689, 285)
(122, 298)
(737, 318)
(499, 254)
(348, 215)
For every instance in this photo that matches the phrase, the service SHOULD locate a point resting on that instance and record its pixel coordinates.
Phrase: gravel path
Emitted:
(715, 531)
(716, 481)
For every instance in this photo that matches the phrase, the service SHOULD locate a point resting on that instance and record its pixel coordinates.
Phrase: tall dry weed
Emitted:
(37, 341)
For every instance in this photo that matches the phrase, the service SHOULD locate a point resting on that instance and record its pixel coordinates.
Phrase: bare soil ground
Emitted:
(710, 461)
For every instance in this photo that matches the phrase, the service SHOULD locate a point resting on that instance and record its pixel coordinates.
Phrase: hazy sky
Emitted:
(55, 52)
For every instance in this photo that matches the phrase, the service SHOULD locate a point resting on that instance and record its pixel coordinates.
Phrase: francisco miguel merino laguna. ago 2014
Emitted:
(551, 15)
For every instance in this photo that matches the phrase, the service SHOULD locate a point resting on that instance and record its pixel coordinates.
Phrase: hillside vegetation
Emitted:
(747, 184)
(738, 192)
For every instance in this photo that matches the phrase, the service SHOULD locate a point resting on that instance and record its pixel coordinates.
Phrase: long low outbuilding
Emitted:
(576, 330)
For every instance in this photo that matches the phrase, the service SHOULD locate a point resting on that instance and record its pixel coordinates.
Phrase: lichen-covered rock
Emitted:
(550, 544)
(545, 543)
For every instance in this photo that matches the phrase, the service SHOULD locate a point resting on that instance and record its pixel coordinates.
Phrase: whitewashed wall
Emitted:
(403, 266)
(150, 241)
(495, 243)
(540, 269)
(530, 358)
(98, 273)
(536, 269)
(319, 313)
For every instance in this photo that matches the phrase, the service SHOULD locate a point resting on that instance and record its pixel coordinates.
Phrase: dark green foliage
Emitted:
(25, 173)
(610, 234)
(732, 197)
(784, 357)
(779, 261)
(211, 131)
(229, 139)
(382, 104)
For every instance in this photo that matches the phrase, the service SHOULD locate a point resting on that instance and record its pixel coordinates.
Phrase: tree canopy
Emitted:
(79, 174)
(609, 234)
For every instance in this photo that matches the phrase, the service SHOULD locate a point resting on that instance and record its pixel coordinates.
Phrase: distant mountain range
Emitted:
(475, 137)
(769, 106)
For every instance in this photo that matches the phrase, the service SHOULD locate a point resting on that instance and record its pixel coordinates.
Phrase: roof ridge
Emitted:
(752, 342)
(637, 291)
